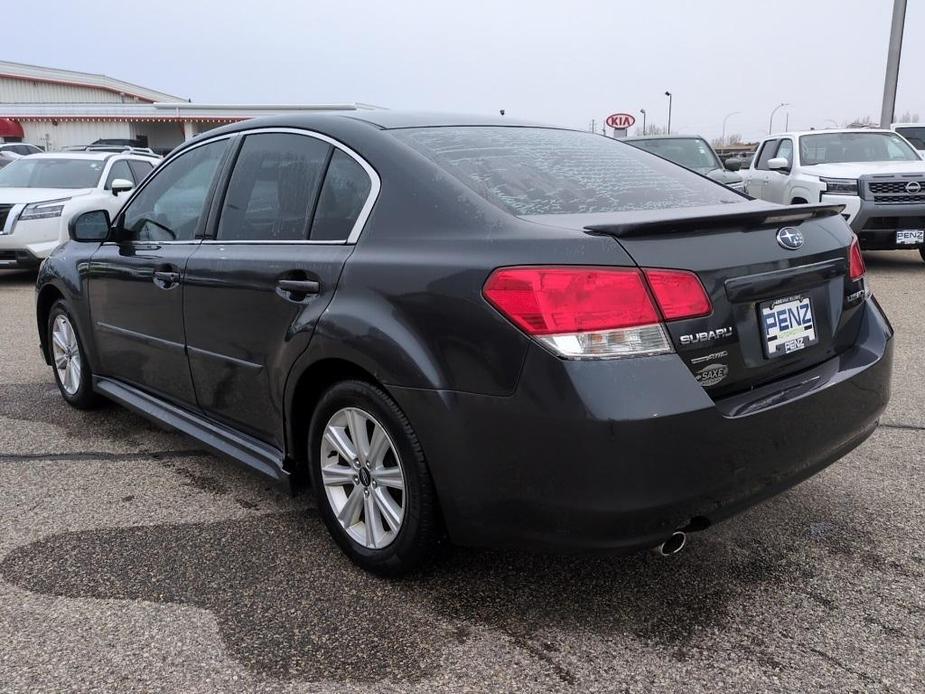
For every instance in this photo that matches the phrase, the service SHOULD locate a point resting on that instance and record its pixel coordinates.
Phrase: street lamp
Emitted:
(668, 94)
(734, 113)
(771, 119)
(643, 112)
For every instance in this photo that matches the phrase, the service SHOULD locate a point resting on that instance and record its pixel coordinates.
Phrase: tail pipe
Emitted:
(673, 544)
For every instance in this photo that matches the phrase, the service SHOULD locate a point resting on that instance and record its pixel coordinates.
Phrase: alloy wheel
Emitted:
(363, 477)
(66, 353)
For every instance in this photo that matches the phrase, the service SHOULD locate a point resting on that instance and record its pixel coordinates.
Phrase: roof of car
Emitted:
(97, 156)
(413, 119)
(664, 137)
(829, 131)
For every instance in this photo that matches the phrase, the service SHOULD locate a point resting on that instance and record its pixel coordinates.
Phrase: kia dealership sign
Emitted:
(620, 121)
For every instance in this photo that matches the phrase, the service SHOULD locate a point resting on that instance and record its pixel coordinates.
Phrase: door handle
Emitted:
(299, 286)
(167, 277)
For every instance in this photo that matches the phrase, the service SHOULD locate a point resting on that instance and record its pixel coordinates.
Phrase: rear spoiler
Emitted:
(693, 222)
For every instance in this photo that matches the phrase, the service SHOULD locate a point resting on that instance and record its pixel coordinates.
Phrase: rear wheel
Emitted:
(370, 480)
(922, 252)
(72, 372)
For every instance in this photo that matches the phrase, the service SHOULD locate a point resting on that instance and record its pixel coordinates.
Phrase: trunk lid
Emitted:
(762, 292)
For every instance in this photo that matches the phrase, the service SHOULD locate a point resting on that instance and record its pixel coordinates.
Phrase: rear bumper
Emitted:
(618, 454)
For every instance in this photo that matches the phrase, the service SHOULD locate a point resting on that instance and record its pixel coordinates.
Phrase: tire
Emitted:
(405, 524)
(69, 360)
(922, 252)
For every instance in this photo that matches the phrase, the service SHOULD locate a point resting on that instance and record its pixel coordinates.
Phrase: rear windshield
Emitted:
(691, 152)
(535, 171)
(51, 173)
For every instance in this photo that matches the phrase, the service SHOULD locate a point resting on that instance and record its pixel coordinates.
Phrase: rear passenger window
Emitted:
(272, 188)
(345, 190)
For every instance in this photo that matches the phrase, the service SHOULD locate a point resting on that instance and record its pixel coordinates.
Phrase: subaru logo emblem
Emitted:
(790, 238)
(913, 187)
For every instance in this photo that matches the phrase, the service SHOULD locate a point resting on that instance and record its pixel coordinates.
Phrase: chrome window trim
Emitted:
(360, 223)
(247, 242)
(362, 217)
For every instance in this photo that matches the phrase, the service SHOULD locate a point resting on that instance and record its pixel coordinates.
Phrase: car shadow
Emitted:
(289, 605)
(901, 261)
(13, 277)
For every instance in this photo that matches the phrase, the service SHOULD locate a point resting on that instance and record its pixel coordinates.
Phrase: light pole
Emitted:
(771, 119)
(734, 113)
(668, 94)
(892, 63)
(643, 112)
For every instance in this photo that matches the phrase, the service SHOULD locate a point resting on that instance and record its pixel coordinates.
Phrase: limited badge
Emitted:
(711, 374)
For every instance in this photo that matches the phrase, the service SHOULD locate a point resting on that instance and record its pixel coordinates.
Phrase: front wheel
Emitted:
(370, 480)
(922, 252)
(69, 362)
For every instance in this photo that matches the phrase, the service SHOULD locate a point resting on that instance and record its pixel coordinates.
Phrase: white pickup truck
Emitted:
(876, 174)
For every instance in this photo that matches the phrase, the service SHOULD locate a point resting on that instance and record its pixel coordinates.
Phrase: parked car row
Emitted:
(877, 175)
(467, 328)
(41, 193)
(11, 151)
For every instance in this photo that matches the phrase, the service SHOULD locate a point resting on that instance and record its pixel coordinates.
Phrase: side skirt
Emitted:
(219, 439)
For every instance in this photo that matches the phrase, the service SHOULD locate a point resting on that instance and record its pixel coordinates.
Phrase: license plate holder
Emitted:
(910, 237)
(787, 325)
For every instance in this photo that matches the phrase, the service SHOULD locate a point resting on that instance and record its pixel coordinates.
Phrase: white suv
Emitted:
(40, 193)
(876, 174)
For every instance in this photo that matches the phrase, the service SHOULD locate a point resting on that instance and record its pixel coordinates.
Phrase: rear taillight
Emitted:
(856, 268)
(592, 311)
(679, 294)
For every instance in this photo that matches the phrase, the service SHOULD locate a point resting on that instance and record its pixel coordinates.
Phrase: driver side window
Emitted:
(172, 205)
(786, 151)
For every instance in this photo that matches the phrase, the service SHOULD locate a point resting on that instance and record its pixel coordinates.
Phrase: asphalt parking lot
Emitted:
(132, 560)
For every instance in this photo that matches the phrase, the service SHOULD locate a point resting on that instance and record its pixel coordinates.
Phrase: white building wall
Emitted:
(28, 91)
(68, 133)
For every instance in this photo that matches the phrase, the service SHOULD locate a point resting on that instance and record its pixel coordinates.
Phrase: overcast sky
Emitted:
(563, 62)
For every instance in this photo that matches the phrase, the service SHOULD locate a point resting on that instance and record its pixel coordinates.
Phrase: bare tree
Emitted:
(863, 122)
(733, 139)
(652, 130)
(908, 117)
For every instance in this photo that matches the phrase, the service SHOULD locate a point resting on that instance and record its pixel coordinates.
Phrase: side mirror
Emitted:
(89, 226)
(779, 164)
(120, 185)
(733, 164)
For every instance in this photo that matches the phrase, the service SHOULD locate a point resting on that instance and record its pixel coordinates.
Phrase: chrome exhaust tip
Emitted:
(673, 544)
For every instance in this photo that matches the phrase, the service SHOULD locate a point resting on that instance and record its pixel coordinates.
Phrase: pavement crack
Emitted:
(907, 427)
(101, 455)
(838, 663)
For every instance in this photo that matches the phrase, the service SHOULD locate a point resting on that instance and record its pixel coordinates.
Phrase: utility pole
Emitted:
(892, 63)
(668, 94)
(643, 112)
(593, 125)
